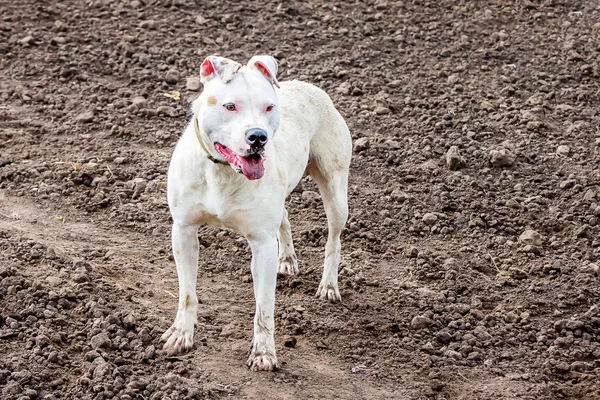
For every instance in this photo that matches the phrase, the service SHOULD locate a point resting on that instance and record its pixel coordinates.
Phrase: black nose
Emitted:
(256, 137)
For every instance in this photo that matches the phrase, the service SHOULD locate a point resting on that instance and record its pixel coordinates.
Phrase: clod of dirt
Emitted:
(502, 158)
(454, 161)
(420, 322)
(531, 237)
(149, 24)
(563, 150)
(309, 196)
(567, 184)
(193, 83)
(172, 76)
(430, 218)
(99, 341)
(361, 144)
(85, 117)
(127, 49)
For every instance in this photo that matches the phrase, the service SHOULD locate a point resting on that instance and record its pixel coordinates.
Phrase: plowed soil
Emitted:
(475, 282)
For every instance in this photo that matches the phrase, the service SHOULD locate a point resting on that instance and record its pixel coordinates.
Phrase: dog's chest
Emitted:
(218, 203)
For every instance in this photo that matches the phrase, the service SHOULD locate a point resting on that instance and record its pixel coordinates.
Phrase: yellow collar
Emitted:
(199, 136)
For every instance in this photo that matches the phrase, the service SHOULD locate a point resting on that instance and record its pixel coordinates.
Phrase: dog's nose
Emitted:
(256, 137)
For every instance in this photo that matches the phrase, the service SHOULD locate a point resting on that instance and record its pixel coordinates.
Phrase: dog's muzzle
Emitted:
(257, 139)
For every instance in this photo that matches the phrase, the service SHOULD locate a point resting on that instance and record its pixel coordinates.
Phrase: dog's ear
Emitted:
(214, 66)
(267, 66)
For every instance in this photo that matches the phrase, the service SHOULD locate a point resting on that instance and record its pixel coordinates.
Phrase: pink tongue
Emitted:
(252, 168)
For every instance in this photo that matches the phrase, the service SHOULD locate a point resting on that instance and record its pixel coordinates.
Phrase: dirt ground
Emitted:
(476, 282)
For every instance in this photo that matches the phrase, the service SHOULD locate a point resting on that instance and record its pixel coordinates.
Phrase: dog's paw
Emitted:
(288, 266)
(179, 338)
(328, 291)
(263, 362)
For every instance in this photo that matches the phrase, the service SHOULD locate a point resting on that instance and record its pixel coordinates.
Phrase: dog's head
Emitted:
(238, 112)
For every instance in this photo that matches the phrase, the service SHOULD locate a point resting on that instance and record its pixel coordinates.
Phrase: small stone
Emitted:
(166, 110)
(567, 184)
(413, 252)
(80, 277)
(91, 355)
(574, 324)
(148, 24)
(28, 40)
(589, 195)
(357, 91)
(229, 330)
(382, 110)
(150, 352)
(481, 333)
(453, 159)
(531, 237)
(502, 158)
(42, 340)
(22, 376)
(361, 144)
(453, 79)
(562, 367)
(102, 369)
(453, 354)
(200, 20)
(420, 322)
(85, 117)
(531, 249)
(139, 102)
(428, 347)
(127, 49)
(193, 83)
(53, 357)
(430, 218)
(563, 150)
(290, 341)
(399, 195)
(12, 388)
(582, 231)
(443, 337)
(344, 88)
(172, 76)
(100, 341)
(517, 273)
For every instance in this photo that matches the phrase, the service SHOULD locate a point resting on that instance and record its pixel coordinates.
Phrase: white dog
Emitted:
(245, 149)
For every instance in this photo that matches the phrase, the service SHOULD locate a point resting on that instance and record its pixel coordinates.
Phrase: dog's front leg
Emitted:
(264, 275)
(180, 336)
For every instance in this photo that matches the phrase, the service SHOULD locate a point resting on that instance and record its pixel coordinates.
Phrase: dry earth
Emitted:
(444, 297)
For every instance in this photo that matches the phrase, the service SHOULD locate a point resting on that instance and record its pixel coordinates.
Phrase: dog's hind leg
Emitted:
(288, 263)
(333, 185)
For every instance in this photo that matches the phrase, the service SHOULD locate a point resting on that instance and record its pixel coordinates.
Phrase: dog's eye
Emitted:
(270, 108)
(229, 106)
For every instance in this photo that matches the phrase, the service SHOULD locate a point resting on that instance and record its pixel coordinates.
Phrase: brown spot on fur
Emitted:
(193, 186)
(336, 159)
(177, 252)
(187, 303)
(212, 101)
(281, 177)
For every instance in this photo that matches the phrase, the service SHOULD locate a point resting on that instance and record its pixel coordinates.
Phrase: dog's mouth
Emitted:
(250, 165)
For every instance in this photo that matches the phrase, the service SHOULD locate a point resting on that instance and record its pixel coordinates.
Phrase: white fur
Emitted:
(306, 133)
